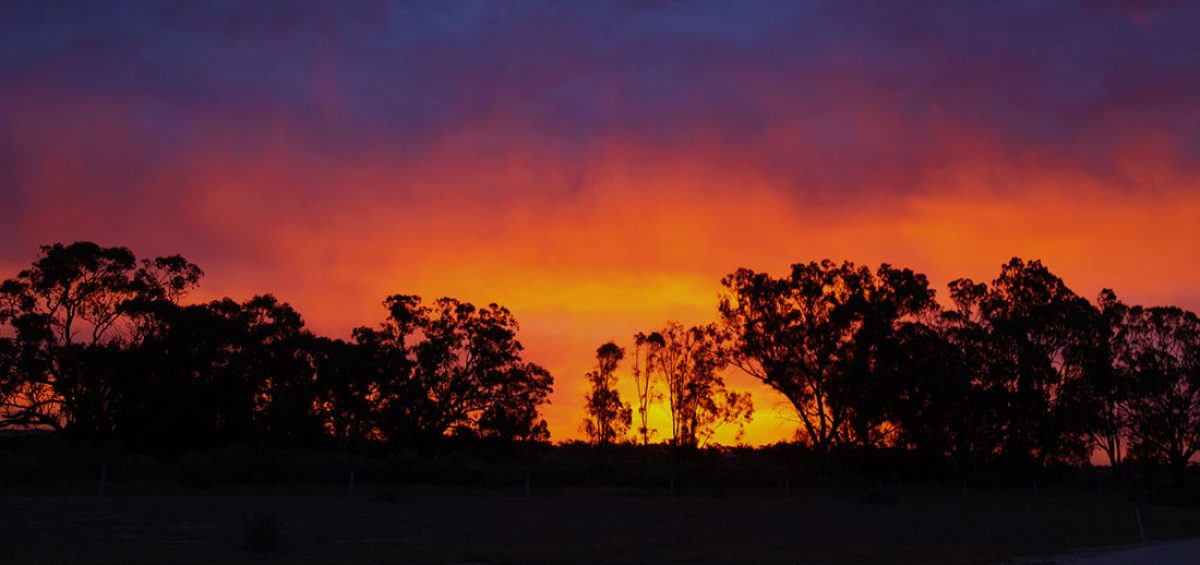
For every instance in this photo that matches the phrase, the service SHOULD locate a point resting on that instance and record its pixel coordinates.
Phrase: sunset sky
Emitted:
(598, 166)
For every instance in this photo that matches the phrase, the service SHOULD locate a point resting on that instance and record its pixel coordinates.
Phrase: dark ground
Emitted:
(413, 525)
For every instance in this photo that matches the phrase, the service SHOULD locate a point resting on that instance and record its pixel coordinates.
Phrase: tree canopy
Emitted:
(1018, 374)
(98, 346)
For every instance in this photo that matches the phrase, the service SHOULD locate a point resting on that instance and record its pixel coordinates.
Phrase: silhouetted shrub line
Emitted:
(105, 369)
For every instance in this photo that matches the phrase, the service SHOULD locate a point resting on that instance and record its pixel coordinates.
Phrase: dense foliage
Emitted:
(1021, 374)
(98, 347)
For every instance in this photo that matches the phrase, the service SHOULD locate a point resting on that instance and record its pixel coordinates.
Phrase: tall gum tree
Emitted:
(812, 337)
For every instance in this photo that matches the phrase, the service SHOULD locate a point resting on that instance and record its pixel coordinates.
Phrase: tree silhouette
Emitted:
(646, 352)
(889, 303)
(74, 312)
(10, 377)
(689, 361)
(811, 336)
(1046, 346)
(198, 385)
(1163, 358)
(608, 417)
(1013, 376)
(454, 368)
(942, 405)
(1107, 390)
(282, 372)
(973, 399)
(348, 396)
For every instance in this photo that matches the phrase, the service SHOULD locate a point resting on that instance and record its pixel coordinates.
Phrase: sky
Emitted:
(597, 167)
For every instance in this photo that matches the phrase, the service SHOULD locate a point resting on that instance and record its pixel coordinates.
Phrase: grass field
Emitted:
(414, 525)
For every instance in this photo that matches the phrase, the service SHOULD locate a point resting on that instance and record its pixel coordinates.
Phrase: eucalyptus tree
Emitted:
(646, 353)
(689, 362)
(347, 395)
(1107, 391)
(1163, 359)
(608, 417)
(72, 315)
(1049, 347)
(452, 367)
(813, 336)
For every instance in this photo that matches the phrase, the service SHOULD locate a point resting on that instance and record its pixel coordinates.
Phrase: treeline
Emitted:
(1016, 376)
(98, 346)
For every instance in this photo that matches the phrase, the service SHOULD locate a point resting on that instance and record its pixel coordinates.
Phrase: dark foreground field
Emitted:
(835, 525)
